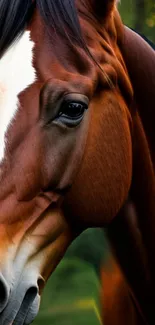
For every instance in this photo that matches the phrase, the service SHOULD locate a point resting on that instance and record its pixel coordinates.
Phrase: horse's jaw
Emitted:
(29, 264)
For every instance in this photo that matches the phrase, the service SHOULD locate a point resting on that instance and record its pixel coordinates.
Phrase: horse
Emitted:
(77, 146)
(117, 305)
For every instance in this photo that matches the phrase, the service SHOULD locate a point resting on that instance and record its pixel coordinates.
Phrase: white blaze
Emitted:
(16, 74)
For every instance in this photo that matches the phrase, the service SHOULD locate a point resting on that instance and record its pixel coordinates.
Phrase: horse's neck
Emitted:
(140, 61)
(133, 231)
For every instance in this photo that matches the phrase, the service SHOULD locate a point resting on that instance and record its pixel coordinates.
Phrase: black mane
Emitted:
(58, 14)
(14, 15)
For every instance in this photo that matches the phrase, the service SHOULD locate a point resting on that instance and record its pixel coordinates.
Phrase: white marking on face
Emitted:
(16, 74)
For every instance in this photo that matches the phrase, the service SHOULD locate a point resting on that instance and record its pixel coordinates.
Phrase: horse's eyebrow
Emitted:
(62, 16)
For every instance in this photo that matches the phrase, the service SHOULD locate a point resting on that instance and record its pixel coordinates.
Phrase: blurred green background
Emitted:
(71, 296)
(140, 15)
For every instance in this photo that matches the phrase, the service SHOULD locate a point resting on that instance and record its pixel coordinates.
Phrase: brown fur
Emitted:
(117, 304)
(108, 159)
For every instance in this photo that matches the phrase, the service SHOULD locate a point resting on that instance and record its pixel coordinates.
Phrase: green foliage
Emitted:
(72, 293)
(91, 247)
(71, 296)
(131, 13)
(126, 9)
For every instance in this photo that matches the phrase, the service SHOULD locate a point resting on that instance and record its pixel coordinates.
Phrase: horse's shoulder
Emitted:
(146, 39)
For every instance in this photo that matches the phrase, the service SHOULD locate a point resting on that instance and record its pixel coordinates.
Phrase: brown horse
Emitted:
(77, 146)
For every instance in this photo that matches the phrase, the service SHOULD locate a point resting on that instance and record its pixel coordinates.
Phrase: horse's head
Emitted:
(64, 116)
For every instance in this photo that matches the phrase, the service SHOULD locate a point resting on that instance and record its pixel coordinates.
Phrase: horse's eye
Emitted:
(73, 109)
(72, 112)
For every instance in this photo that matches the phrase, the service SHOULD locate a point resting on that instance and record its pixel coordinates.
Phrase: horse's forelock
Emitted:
(60, 15)
(14, 15)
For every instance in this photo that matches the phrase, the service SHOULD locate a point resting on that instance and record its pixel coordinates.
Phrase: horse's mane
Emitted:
(58, 14)
(14, 14)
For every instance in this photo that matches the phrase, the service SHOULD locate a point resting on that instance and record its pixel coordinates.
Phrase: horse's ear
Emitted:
(102, 8)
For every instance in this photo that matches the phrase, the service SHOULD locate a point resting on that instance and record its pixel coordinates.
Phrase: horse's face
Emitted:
(42, 148)
(107, 162)
(45, 94)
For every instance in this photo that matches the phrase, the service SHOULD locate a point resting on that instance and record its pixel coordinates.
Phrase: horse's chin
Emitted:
(23, 278)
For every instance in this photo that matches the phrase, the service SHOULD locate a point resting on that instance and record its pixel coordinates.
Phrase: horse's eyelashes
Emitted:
(66, 109)
(72, 110)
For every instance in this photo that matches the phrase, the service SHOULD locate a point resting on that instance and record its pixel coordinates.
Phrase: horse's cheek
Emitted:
(105, 172)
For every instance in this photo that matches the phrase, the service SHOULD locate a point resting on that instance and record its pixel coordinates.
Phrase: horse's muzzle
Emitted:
(26, 266)
(20, 306)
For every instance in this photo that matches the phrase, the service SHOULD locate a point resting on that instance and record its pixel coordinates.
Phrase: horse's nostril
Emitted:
(4, 293)
(25, 306)
(41, 284)
(28, 299)
(30, 295)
